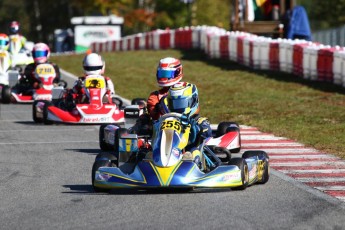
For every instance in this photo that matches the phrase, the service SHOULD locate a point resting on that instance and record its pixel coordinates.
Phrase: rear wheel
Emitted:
(102, 160)
(225, 127)
(242, 165)
(6, 94)
(263, 165)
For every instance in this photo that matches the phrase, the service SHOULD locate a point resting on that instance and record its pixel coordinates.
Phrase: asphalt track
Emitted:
(45, 183)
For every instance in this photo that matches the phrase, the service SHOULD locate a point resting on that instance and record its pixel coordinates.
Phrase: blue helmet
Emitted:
(183, 98)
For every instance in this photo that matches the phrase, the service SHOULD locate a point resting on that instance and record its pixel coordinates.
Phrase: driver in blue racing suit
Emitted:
(183, 98)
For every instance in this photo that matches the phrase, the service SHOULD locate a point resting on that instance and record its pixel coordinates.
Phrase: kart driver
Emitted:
(183, 98)
(14, 33)
(169, 72)
(40, 54)
(93, 64)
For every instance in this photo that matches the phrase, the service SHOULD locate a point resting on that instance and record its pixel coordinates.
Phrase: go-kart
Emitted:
(164, 163)
(96, 108)
(8, 77)
(23, 92)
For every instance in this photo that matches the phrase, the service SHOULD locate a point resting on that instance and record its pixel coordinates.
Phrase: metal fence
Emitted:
(332, 37)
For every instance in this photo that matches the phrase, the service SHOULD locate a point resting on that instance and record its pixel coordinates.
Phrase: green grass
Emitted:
(309, 112)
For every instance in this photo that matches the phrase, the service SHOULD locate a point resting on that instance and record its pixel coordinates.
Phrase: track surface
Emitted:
(45, 183)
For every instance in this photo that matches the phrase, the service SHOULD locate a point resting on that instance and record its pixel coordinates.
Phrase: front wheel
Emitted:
(34, 112)
(242, 165)
(102, 160)
(263, 164)
(45, 113)
(139, 101)
(6, 94)
(102, 143)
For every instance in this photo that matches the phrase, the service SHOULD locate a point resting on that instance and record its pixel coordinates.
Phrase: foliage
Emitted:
(325, 14)
(40, 18)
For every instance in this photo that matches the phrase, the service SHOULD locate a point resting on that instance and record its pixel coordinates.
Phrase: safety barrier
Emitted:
(309, 60)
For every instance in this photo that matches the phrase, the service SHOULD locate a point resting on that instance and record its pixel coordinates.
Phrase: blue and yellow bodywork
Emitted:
(184, 174)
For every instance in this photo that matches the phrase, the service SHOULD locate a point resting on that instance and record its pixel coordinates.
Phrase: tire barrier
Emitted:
(309, 60)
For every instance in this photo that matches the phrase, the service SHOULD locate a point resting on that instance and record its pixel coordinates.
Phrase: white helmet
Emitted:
(93, 64)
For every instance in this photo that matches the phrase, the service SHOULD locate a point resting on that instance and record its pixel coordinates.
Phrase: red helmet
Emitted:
(40, 52)
(169, 71)
(14, 27)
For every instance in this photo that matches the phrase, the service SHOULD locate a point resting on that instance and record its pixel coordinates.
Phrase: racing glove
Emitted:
(194, 130)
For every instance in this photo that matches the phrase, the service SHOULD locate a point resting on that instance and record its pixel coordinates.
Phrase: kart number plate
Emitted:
(174, 125)
(45, 70)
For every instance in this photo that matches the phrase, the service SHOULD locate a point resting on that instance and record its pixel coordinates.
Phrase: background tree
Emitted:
(324, 14)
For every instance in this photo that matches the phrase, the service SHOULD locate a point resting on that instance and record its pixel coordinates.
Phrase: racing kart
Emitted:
(163, 162)
(23, 92)
(8, 77)
(98, 106)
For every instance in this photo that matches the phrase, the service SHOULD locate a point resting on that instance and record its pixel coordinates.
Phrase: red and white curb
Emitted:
(316, 169)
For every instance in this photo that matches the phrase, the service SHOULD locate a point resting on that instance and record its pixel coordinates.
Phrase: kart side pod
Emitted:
(128, 144)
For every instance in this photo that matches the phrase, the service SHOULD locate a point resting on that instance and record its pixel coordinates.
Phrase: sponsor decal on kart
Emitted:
(175, 152)
(102, 176)
(95, 119)
(231, 177)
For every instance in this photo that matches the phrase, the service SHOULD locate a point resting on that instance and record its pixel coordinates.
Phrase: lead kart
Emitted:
(96, 108)
(160, 161)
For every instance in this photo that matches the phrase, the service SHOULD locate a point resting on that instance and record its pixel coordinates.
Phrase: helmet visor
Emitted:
(92, 68)
(165, 74)
(178, 105)
(40, 53)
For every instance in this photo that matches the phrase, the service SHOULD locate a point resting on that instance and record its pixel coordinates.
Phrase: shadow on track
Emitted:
(88, 190)
(87, 151)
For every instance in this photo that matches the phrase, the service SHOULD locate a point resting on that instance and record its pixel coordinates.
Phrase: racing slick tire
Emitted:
(6, 94)
(242, 165)
(102, 144)
(139, 101)
(34, 112)
(63, 83)
(102, 160)
(117, 101)
(264, 166)
(45, 113)
(225, 127)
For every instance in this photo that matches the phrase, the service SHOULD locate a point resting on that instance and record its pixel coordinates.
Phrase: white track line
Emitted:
(311, 163)
(330, 188)
(296, 171)
(317, 179)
